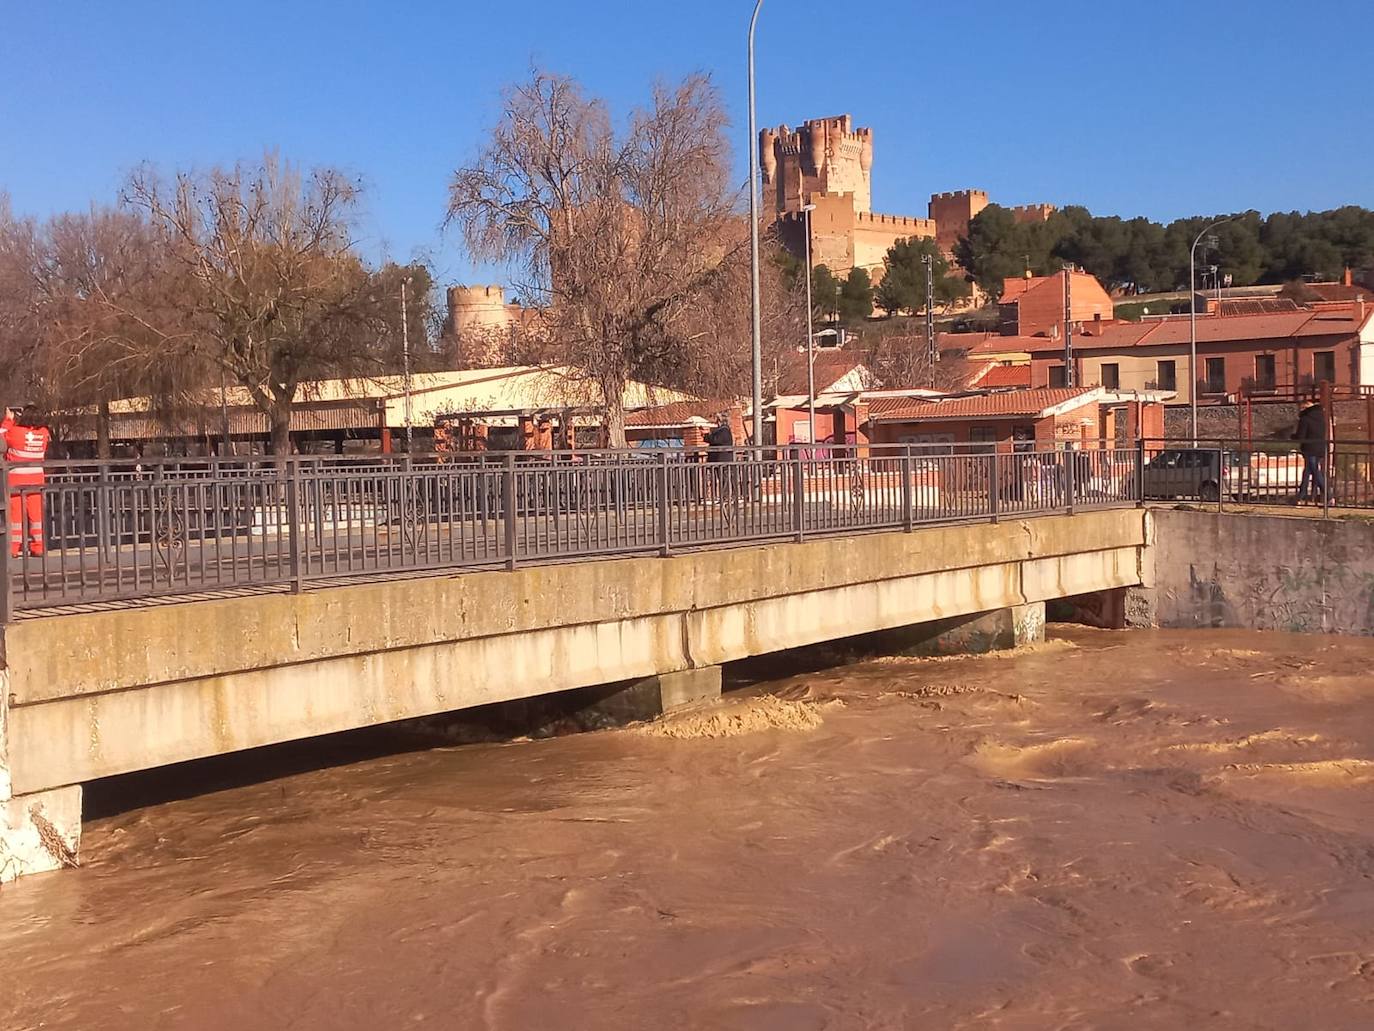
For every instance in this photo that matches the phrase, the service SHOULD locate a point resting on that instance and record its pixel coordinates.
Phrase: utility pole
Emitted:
(1068, 326)
(1192, 323)
(810, 336)
(405, 361)
(932, 353)
(754, 243)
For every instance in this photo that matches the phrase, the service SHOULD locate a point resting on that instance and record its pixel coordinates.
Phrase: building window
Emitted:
(1215, 382)
(1264, 372)
(1057, 376)
(1111, 375)
(1166, 375)
(1324, 366)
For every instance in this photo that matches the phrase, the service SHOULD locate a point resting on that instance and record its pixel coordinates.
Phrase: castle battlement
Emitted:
(956, 195)
(924, 226)
(1032, 212)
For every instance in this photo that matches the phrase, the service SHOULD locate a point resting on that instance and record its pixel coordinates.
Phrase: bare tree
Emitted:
(616, 233)
(274, 295)
(85, 313)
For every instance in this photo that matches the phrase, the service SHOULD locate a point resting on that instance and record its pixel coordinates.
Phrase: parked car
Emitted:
(1201, 473)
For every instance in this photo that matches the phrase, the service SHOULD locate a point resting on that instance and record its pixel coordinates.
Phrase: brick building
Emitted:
(1257, 355)
(1034, 305)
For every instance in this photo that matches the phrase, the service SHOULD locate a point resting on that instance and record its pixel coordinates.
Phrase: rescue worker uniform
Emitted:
(25, 449)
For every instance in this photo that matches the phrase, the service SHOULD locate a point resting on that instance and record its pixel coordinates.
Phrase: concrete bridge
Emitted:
(92, 694)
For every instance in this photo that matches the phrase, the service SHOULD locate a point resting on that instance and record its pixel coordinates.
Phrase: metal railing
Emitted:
(115, 532)
(1259, 472)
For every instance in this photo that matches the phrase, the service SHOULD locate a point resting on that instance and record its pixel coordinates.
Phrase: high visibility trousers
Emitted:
(30, 504)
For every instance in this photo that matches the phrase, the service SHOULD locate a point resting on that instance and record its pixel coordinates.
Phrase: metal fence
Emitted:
(112, 531)
(1234, 472)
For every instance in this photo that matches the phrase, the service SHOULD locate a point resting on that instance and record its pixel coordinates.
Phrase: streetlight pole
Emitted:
(1192, 324)
(810, 337)
(405, 362)
(754, 242)
(932, 353)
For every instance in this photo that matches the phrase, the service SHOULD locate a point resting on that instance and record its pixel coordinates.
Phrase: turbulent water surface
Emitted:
(1153, 830)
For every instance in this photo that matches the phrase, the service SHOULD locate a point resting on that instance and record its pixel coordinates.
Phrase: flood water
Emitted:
(1144, 830)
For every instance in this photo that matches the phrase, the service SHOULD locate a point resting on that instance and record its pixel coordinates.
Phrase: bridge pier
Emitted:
(648, 697)
(996, 630)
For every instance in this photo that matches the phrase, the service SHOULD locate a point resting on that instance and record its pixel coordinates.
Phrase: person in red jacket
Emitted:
(26, 447)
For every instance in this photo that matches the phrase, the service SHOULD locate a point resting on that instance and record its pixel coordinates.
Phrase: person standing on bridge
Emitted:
(26, 447)
(720, 443)
(1312, 437)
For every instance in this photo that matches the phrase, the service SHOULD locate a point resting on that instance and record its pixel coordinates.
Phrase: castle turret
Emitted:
(823, 156)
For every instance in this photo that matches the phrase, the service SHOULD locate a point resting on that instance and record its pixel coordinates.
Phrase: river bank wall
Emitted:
(1259, 572)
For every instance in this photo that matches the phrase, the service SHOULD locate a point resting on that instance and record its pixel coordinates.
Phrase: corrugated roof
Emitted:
(510, 389)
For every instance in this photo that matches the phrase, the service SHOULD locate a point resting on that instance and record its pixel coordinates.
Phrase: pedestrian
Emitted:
(26, 439)
(720, 443)
(1312, 439)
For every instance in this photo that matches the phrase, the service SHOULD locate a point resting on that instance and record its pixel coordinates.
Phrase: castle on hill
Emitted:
(829, 163)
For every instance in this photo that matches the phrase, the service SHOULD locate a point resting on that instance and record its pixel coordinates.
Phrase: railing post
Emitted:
(798, 496)
(1221, 479)
(1140, 472)
(508, 513)
(665, 542)
(1070, 476)
(293, 526)
(993, 489)
(908, 502)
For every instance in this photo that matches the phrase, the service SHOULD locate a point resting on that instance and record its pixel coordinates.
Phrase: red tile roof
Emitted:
(1213, 329)
(1006, 376)
(832, 365)
(678, 413)
(1009, 404)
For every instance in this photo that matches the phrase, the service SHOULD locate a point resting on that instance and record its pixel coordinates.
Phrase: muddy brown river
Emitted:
(1137, 830)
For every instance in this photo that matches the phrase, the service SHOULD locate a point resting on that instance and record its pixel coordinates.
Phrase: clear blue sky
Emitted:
(1184, 108)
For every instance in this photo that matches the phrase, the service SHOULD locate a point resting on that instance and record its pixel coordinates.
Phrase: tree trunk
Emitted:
(613, 390)
(280, 419)
(102, 430)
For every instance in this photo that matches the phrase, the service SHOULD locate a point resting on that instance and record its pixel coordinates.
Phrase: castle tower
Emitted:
(824, 156)
(952, 212)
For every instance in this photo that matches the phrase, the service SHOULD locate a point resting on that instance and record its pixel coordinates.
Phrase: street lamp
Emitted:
(810, 337)
(754, 241)
(405, 362)
(1192, 323)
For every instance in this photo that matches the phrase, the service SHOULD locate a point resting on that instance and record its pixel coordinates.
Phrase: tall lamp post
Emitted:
(754, 242)
(405, 364)
(810, 337)
(1192, 323)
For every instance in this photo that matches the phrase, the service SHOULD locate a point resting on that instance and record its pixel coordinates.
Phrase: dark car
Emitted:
(1204, 474)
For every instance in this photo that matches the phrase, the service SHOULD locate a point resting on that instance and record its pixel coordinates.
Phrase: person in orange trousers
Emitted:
(26, 442)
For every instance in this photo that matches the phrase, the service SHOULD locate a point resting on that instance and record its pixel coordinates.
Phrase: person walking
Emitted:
(1312, 438)
(26, 440)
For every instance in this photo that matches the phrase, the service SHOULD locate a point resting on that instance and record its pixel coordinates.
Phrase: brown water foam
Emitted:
(1153, 830)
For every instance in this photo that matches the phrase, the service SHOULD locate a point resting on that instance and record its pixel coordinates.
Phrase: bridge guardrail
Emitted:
(1232, 471)
(110, 532)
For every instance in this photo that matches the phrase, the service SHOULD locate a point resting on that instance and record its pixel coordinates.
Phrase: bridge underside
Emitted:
(95, 694)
